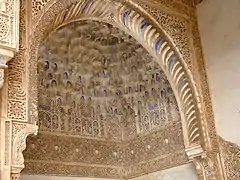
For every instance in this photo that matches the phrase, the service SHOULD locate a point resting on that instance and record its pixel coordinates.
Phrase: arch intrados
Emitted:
(188, 106)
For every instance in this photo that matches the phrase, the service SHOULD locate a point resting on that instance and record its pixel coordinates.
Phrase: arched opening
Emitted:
(146, 31)
(105, 107)
(150, 36)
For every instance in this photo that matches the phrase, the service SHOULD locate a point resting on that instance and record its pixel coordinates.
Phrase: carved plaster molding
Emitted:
(20, 131)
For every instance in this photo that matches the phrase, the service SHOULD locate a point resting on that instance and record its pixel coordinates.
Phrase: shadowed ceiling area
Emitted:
(106, 109)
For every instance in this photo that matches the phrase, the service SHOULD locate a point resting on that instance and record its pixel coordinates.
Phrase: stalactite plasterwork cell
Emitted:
(95, 81)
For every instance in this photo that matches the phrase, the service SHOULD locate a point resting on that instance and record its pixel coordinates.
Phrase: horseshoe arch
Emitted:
(148, 33)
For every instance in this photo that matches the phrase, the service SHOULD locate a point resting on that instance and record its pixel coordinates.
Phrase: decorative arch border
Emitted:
(150, 36)
(148, 33)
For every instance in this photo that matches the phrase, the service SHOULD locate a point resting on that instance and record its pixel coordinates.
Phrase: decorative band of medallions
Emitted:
(156, 40)
(147, 33)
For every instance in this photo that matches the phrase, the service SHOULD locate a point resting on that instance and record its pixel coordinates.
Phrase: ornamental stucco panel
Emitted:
(9, 22)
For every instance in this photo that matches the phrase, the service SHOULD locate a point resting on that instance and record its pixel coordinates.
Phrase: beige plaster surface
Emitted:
(219, 26)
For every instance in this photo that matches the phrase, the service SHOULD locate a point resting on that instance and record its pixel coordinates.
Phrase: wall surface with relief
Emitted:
(219, 29)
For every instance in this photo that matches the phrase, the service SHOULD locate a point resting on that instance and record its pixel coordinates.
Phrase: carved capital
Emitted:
(19, 135)
(194, 152)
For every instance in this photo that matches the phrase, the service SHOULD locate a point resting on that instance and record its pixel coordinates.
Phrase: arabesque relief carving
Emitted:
(9, 18)
(231, 157)
(165, 45)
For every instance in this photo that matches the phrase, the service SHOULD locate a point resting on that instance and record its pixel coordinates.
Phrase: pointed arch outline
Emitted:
(148, 33)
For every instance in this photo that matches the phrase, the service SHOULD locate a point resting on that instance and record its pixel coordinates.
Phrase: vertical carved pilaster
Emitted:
(9, 20)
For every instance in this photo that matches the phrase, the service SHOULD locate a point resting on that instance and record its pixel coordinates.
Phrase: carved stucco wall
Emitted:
(219, 29)
(100, 113)
(231, 159)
